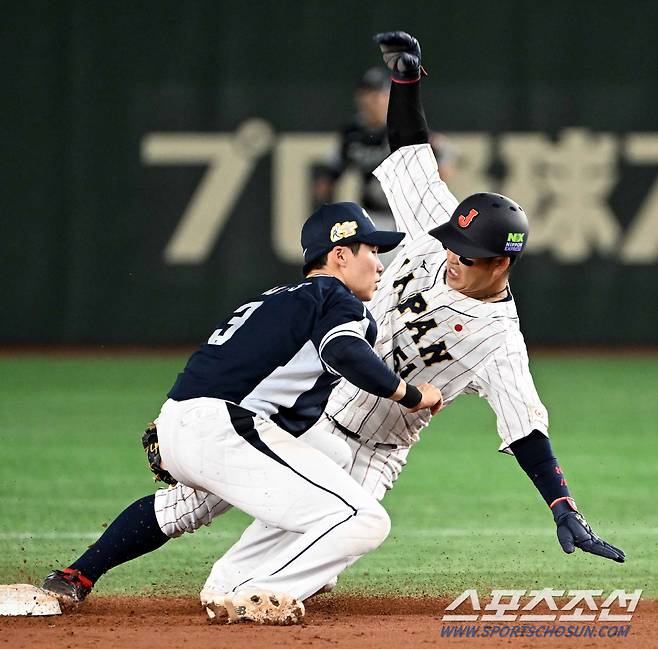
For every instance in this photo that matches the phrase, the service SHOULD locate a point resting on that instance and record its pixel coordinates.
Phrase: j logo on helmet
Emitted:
(465, 221)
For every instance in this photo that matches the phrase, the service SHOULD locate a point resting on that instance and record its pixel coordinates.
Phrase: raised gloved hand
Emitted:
(573, 531)
(402, 55)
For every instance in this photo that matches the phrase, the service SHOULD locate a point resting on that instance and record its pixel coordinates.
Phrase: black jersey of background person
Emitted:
(363, 148)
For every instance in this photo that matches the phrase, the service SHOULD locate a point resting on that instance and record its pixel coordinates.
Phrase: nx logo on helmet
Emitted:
(465, 221)
(514, 241)
(343, 230)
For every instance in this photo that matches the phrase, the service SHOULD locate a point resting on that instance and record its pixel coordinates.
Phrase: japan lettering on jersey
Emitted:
(267, 356)
(430, 333)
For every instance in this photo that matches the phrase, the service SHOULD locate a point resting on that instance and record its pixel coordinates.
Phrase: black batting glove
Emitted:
(573, 531)
(401, 53)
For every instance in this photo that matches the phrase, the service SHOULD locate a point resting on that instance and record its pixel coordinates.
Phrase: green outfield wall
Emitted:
(157, 156)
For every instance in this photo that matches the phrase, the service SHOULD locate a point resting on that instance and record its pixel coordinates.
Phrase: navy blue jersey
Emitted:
(268, 355)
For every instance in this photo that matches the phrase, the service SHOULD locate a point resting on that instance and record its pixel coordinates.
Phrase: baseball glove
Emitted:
(152, 449)
(401, 53)
(573, 531)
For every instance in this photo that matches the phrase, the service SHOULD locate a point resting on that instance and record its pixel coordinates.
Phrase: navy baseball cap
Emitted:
(339, 224)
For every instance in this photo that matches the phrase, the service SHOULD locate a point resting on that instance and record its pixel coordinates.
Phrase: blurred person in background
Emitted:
(364, 146)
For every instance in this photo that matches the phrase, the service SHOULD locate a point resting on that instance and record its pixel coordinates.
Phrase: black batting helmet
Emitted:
(485, 225)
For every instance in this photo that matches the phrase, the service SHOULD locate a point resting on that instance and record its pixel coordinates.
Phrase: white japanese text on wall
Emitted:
(563, 183)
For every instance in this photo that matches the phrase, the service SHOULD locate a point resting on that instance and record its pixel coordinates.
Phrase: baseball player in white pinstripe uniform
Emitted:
(445, 316)
(432, 332)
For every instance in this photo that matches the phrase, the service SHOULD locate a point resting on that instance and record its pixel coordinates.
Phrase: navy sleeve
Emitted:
(405, 121)
(342, 315)
(354, 359)
(535, 456)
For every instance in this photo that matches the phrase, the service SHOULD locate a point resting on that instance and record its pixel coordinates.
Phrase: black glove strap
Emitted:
(561, 506)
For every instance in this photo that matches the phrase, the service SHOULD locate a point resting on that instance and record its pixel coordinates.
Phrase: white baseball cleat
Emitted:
(263, 607)
(213, 602)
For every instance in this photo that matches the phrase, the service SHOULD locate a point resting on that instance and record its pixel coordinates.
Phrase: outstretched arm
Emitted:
(405, 120)
(418, 198)
(505, 381)
(535, 455)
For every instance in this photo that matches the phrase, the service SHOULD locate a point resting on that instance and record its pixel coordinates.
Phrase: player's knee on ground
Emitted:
(335, 448)
(182, 509)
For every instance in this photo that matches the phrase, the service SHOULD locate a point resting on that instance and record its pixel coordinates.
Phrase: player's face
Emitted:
(373, 105)
(476, 278)
(362, 271)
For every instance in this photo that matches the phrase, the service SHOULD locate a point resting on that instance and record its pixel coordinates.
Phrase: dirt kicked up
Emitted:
(331, 621)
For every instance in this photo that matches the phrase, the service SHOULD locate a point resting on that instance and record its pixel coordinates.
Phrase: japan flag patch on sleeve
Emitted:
(539, 415)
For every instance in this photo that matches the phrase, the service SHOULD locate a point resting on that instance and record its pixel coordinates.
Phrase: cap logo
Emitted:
(343, 230)
(465, 221)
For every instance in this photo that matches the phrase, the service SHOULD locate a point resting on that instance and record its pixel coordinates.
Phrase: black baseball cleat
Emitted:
(68, 586)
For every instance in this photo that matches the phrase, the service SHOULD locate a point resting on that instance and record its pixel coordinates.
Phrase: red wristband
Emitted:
(422, 73)
(405, 81)
(568, 499)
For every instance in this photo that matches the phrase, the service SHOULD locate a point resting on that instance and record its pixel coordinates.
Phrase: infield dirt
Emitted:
(331, 621)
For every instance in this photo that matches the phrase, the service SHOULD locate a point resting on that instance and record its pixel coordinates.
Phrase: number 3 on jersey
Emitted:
(239, 317)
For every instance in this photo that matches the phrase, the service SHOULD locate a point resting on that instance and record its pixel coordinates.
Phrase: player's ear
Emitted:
(340, 255)
(501, 265)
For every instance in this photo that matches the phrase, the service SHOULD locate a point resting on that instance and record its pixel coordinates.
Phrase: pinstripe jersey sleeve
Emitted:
(418, 198)
(506, 383)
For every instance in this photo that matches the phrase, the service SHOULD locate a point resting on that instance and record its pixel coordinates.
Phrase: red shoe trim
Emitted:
(87, 583)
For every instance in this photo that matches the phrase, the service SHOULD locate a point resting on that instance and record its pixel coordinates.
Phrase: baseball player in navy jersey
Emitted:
(446, 316)
(231, 424)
